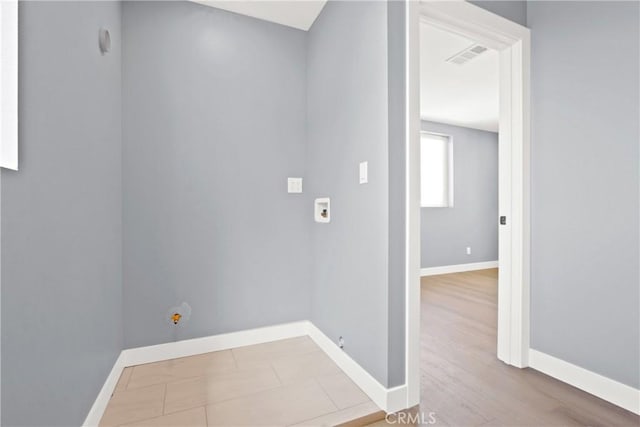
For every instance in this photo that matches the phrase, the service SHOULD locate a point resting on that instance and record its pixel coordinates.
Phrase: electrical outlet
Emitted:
(468, 250)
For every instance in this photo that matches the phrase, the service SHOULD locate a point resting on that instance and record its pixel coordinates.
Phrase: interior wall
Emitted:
(214, 114)
(585, 179)
(397, 69)
(61, 217)
(473, 220)
(347, 123)
(513, 10)
(61, 279)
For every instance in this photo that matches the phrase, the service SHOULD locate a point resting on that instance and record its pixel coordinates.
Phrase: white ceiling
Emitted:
(463, 95)
(298, 14)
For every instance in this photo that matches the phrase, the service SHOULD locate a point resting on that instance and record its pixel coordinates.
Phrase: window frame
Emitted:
(449, 200)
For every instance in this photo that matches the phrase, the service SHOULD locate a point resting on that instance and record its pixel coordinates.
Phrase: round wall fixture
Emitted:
(104, 40)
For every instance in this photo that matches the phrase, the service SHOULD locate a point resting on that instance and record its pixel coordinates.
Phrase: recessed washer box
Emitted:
(322, 210)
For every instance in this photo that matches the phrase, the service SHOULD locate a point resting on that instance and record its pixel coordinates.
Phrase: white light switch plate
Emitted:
(294, 185)
(364, 172)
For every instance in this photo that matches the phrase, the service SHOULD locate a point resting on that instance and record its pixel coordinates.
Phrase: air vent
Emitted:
(467, 54)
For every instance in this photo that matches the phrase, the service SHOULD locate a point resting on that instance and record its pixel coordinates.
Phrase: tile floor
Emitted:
(287, 382)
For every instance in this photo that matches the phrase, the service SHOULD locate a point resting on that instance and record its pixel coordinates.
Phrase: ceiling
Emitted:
(298, 14)
(463, 95)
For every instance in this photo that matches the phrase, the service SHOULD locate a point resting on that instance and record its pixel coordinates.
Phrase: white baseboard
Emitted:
(389, 400)
(457, 268)
(605, 388)
(100, 404)
(173, 350)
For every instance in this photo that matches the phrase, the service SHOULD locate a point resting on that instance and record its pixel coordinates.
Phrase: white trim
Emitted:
(468, 20)
(513, 42)
(388, 399)
(605, 388)
(458, 268)
(173, 350)
(412, 196)
(101, 402)
(504, 208)
(157, 353)
(513, 340)
(9, 84)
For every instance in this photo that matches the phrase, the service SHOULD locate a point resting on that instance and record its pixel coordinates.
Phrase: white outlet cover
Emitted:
(322, 210)
(294, 185)
(364, 172)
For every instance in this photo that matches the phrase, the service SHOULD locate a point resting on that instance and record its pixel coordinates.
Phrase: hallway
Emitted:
(464, 383)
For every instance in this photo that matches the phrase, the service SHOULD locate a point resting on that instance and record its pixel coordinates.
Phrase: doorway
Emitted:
(459, 112)
(512, 42)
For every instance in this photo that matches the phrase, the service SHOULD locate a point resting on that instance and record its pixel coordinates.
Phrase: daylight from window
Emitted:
(435, 170)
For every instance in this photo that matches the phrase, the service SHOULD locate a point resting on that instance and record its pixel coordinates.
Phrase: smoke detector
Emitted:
(467, 54)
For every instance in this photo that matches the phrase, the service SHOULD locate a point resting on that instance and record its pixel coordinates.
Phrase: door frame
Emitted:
(513, 42)
(9, 84)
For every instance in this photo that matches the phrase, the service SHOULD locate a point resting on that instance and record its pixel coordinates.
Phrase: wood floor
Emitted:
(464, 384)
(287, 382)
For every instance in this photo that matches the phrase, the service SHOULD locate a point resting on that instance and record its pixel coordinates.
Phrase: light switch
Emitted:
(294, 185)
(364, 172)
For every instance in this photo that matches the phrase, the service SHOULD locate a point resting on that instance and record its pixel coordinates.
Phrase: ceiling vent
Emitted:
(467, 54)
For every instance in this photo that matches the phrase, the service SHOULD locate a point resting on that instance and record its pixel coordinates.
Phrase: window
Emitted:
(436, 170)
(9, 84)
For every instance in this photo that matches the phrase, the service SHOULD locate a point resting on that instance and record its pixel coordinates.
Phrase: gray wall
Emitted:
(197, 134)
(347, 123)
(584, 255)
(61, 217)
(473, 219)
(396, 59)
(514, 10)
(214, 122)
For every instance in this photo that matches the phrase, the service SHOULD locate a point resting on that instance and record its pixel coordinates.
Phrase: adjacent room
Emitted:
(460, 115)
(464, 203)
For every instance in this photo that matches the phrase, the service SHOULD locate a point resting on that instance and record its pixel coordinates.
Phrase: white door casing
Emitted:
(513, 42)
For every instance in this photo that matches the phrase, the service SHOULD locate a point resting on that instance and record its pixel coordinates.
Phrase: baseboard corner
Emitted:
(388, 399)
